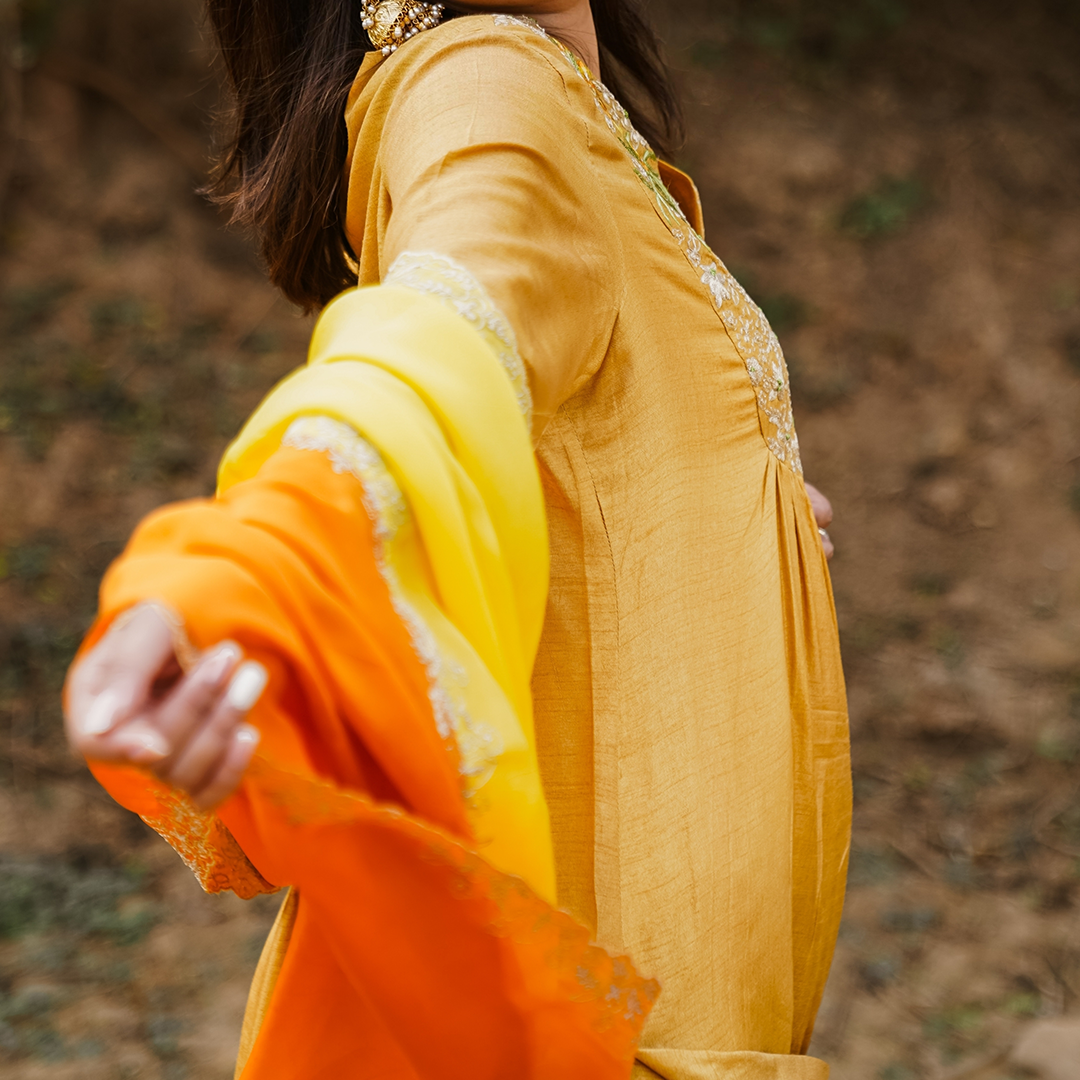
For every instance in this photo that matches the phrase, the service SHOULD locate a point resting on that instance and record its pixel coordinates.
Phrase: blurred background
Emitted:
(897, 183)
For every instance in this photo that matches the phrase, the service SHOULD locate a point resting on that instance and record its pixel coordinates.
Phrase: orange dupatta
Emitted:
(420, 939)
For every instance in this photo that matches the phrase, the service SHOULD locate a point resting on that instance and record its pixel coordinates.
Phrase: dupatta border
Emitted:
(478, 745)
(617, 998)
(447, 280)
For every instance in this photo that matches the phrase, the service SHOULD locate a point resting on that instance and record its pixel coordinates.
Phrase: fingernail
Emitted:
(154, 743)
(219, 662)
(246, 686)
(248, 735)
(103, 712)
(151, 742)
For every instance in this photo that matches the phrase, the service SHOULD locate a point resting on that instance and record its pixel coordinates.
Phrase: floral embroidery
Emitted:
(523, 21)
(746, 324)
(439, 276)
(478, 744)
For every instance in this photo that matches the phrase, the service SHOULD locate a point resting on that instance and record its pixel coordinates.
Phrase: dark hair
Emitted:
(290, 64)
(633, 67)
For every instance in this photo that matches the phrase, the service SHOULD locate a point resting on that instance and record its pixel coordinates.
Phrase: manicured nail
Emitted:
(149, 741)
(220, 662)
(246, 686)
(247, 735)
(155, 743)
(103, 712)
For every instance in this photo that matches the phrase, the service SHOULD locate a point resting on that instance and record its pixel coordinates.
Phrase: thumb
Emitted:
(112, 706)
(141, 743)
(132, 655)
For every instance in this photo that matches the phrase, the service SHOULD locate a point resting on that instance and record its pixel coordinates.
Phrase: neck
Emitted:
(575, 28)
(571, 21)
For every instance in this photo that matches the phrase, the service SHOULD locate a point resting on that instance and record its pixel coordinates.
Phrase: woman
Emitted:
(378, 551)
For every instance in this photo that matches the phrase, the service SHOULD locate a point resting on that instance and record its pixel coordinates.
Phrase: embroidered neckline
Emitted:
(744, 321)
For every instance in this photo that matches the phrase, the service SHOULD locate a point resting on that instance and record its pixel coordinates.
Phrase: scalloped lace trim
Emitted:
(614, 996)
(205, 845)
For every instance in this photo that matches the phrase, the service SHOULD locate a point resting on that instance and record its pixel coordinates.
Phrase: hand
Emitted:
(823, 516)
(128, 701)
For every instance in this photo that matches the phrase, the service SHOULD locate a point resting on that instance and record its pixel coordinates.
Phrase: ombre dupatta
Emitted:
(378, 542)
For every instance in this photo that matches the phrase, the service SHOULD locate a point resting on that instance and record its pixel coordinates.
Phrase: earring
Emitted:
(390, 22)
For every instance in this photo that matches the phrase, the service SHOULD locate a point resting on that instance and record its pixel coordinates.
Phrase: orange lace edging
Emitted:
(616, 999)
(206, 846)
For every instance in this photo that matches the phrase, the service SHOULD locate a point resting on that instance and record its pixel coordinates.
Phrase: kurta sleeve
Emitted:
(472, 176)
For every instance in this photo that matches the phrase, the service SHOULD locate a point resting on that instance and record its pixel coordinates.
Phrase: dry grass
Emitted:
(896, 184)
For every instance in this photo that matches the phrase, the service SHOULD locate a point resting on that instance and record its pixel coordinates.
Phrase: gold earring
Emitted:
(390, 22)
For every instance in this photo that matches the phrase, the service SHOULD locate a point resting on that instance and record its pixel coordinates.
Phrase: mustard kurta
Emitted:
(689, 702)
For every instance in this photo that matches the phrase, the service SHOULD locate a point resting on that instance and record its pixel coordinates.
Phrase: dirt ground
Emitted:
(898, 184)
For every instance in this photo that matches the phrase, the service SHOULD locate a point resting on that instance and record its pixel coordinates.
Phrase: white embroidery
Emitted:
(478, 744)
(442, 277)
(518, 20)
(747, 326)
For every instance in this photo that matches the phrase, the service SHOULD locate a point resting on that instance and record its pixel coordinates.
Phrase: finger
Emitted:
(823, 512)
(827, 544)
(193, 764)
(136, 743)
(226, 777)
(192, 700)
(115, 678)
